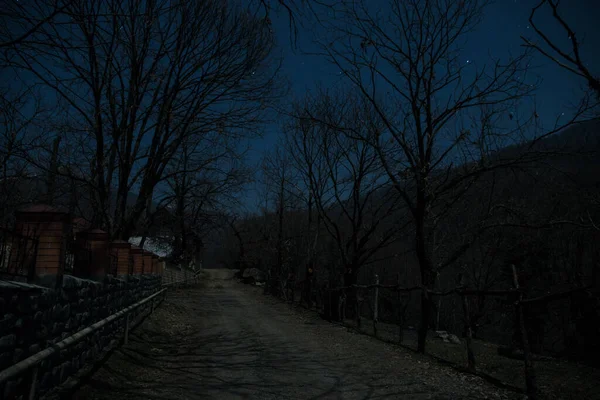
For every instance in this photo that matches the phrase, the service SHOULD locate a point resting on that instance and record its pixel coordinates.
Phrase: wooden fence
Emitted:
(514, 295)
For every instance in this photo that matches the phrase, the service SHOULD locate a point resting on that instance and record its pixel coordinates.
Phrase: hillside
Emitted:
(537, 216)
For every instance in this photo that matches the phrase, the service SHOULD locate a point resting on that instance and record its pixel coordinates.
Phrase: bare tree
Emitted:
(442, 116)
(568, 59)
(281, 197)
(345, 176)
(21, 19)
(137, 78)
(19, 134)
(240, 262)
(207, 175)
(296, 11)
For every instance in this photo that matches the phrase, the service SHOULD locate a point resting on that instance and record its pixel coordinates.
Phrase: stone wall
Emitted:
(33, 318)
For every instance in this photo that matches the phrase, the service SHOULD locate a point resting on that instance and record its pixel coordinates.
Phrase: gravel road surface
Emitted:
(224, 340)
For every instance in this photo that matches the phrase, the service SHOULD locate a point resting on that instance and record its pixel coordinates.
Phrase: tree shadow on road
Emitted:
(207, 362)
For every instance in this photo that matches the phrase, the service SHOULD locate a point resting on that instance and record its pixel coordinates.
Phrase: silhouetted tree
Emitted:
(137, 79)
(568, 59)
(20, 20)
(349, 185)
(440, 116)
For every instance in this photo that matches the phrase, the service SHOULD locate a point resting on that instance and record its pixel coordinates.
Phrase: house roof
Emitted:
(159, 246)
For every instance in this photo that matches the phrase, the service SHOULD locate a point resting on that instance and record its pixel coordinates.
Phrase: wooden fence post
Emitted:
(439, 305)
(400, 315)
(400, 330)
(342, 306)
(126, 338)
(357, 307)
(530, 381)
(339, 295)
(375, 306)
(468, 334)
(327, 303)
(292, 286)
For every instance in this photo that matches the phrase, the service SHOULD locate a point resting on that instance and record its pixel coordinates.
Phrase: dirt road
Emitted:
(227, 341)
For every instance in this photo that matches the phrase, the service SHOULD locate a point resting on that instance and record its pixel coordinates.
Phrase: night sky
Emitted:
(498, 35)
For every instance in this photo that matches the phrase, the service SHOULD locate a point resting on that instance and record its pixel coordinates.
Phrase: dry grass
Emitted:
(557, 379)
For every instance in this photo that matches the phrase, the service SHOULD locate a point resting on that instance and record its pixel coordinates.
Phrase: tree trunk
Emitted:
(401, 309)
(308, 283)
(468, 334)
(426, 269)
(52, 172)
(143, 240)
(350, 278)
(72, 197)
(129, 224)
(424, 326)
(121, 204)
(530, 378)
(183, 250)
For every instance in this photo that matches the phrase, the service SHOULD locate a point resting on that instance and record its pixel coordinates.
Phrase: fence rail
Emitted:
(463, 291)
(515, 297)
(33, 362)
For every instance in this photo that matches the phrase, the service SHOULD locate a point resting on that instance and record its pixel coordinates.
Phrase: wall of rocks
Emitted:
(33, 318)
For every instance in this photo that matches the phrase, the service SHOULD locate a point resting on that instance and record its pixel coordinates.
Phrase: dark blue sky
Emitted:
(498, 35)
